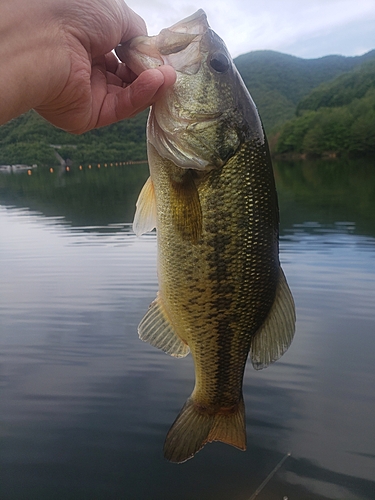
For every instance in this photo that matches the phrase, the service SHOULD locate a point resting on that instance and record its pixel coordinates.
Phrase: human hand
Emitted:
(73, 79)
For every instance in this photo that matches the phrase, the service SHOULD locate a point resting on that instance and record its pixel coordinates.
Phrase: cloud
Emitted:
(312, 28)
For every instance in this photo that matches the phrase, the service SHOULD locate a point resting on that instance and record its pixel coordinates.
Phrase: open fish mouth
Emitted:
(178, 46)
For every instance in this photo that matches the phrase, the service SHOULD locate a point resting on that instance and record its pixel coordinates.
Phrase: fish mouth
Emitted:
(177, 46)
(194, 24)
(170, 141)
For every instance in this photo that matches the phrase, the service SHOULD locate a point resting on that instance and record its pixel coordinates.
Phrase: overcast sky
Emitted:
(304, 28)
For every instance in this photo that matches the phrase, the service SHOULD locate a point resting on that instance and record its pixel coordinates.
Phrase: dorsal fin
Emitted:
(145, 215)
(274, 337)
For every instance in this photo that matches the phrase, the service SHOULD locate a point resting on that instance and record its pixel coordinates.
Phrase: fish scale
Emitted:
(239, 283)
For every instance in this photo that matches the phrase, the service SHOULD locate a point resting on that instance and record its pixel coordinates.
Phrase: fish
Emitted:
(211, 196)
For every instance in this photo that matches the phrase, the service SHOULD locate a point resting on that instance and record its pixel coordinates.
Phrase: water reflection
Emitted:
(91, 197)
(333, 191)
(85, 404)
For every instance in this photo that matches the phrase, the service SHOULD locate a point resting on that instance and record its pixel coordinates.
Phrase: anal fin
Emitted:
(156, 328)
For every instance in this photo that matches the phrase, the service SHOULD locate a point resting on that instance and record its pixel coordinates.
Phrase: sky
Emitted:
(303, 28)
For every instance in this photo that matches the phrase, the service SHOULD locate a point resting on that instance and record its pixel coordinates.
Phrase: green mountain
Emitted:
(337, 117)
(341, 90)
(278, 83)
(28, 139)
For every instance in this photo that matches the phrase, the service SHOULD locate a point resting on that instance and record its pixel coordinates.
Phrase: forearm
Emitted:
(29, 51)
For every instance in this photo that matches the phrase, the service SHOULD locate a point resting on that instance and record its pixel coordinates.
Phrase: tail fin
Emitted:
(194, 427)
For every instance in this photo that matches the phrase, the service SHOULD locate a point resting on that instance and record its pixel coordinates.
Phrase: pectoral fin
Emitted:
(145, 215)
(276, 334)
(157, 329)
(187, 211)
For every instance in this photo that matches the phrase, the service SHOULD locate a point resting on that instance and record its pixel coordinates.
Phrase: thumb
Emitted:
(148, 87)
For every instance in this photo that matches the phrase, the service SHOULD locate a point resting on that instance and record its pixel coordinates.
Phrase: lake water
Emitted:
(85, 405)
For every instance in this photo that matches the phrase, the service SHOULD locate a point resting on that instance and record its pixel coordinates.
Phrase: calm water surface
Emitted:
(85, 405)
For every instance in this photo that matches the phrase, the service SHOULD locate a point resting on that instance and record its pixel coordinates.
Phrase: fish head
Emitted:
(203, 118)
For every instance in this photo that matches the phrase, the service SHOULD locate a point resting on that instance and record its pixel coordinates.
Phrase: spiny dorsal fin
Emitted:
(157, 329)
(145, 215)
(276, 334)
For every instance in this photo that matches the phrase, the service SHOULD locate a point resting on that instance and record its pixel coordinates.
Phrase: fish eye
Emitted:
(219, 62)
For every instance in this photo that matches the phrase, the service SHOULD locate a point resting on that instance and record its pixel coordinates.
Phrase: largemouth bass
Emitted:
(211, 196)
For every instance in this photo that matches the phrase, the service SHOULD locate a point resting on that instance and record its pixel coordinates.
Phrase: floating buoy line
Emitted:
(29, 169)
(92, 166)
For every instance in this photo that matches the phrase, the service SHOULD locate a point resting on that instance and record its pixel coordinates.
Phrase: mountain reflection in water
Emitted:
(85, 405)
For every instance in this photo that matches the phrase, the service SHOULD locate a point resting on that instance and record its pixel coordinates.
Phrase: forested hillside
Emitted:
(277, 82)
(30, 139)
(280, 85)
(335, 118)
